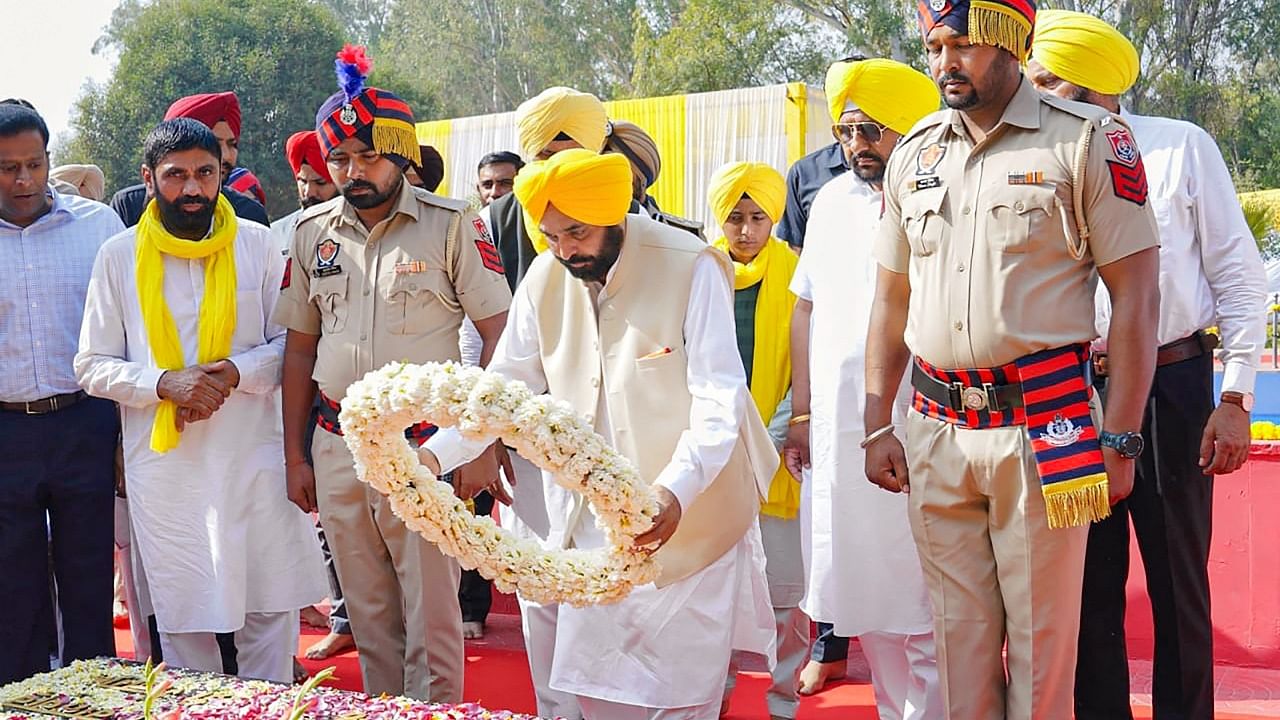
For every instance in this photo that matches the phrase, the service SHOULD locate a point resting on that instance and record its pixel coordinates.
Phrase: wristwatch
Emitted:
(1244, 400)
(1128, 444)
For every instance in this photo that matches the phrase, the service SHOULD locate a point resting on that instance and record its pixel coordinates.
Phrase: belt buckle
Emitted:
(26, 407)
(973, 398)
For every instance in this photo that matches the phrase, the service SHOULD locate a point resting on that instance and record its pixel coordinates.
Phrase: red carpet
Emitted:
(497, 677)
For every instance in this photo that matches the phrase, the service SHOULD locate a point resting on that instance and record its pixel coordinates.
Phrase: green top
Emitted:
(744, 316)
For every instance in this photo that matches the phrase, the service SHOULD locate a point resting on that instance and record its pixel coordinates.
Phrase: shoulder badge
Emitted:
(928, 157)
(326, 258)
(1128, 175)
(288, 274)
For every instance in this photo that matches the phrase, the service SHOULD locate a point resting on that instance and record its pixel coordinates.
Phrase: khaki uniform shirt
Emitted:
(982, 230)
(384, 295)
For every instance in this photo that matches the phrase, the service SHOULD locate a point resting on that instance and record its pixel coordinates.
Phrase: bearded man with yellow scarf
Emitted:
(176, 331)
(747, 198)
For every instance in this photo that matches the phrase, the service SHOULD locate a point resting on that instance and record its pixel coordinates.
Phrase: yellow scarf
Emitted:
(771, 356)
(217, 308)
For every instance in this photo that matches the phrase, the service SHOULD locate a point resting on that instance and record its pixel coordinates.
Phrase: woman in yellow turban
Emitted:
(747, 199)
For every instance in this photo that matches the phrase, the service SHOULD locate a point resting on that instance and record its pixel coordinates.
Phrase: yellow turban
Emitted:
(887, 91)
(1085, 51)
(588, 187)
(758, 181)
(558, 110)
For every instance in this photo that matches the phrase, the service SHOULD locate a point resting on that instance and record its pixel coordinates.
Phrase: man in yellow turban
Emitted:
(630, 322)
(746, 199)
(1210, 274)
(864, 95)
(872, 102)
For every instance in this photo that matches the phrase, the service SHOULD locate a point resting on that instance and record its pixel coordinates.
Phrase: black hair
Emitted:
(17, 116)
(499, 158)
(856, 57)
(177, 135)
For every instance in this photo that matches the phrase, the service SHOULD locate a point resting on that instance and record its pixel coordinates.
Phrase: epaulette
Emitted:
(440, 201)
(676, 221)
(321, 210)
(1084, 111)
(931, 120)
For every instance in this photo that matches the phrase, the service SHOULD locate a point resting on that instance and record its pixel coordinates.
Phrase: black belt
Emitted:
(44, 406)
(958, 397)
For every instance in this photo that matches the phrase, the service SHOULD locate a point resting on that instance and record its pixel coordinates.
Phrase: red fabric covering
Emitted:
(208, 108)
(304, 147)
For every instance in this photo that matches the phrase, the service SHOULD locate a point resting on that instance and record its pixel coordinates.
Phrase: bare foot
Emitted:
(472, 630)
(313, 617)
(816, 675)
(332, 644)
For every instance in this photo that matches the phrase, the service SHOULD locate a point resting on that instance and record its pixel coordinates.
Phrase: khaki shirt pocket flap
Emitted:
(922, 220)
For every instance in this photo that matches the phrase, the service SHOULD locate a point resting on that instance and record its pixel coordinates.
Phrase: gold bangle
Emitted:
(797, 419)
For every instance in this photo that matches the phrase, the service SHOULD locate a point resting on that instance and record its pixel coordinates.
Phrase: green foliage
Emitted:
(277, 55)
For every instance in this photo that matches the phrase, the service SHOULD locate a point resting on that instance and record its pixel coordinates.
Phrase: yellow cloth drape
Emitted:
(589, 187)
(664, 119)
(436, 133)
(771, 357)
(217, 307)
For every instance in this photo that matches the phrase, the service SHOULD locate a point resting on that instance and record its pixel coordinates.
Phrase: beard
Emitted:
(1080, 95)
(310, 201)
(963, 102)
(183, 223)
(595, 268)
(374, 198)
(874, 174)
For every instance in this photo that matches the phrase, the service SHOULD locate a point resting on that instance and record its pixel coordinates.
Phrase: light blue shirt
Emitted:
(44, 275)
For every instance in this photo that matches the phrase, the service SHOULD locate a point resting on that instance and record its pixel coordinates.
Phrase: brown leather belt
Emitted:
(1191, 346)
(44, 406)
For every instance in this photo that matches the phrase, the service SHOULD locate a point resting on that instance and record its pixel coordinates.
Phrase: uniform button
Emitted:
(960, 267)
(1018, 206)
(363, 336)
(965, 210)
(366, 292)
(595, 382)
(959, 326)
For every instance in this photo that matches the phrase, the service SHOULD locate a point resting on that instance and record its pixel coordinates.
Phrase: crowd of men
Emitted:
(173, 354)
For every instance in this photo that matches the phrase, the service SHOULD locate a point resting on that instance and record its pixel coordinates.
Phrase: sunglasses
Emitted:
(872, 132)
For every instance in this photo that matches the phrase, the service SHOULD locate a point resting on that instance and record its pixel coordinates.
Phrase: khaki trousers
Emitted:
(401, 592)
(996, 573)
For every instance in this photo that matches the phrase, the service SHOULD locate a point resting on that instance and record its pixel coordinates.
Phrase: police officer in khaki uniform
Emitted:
(1000, 215)
(385, 272)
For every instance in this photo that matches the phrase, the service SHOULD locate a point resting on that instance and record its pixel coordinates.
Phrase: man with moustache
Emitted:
(496, 175)
(1001, 213)
(58, 483)
(864, 576)
(315, 185)
(177, 331)
(220, 112)
(383, 273)
(650, 312)
(1210, 274)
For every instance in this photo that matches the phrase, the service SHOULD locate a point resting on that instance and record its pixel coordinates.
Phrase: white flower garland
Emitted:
(547, 432)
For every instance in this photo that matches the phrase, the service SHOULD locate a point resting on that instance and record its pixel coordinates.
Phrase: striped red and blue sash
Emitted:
(1055, 411)
(327, 419)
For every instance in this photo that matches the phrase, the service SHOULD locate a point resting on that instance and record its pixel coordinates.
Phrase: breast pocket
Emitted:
(330, 295)
(411, 301)
(922, 220)
(1017, 215)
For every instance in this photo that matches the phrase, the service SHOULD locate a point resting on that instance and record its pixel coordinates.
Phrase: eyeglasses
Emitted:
(872, 132)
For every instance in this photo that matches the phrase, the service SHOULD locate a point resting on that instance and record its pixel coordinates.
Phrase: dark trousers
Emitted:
(338, 621)
(475, 594)
(1171, 509)
(829, 647)
(57, 481)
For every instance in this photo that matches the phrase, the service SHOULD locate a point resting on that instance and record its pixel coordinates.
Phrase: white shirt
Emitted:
(862, 568)
(1210, 269)
(281, 232)
(717, 383)
(216, 533)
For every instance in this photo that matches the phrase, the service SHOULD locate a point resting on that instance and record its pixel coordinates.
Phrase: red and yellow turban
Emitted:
(376, 117)
(1005, 24)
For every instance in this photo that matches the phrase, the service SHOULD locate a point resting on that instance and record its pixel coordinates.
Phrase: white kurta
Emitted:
(658, 647)
(863, 571)
(217, 535)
